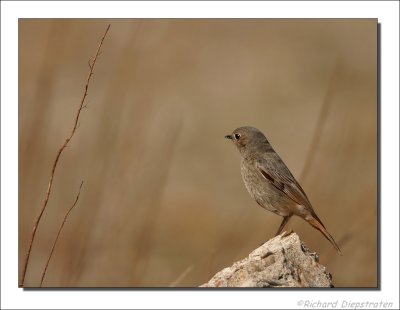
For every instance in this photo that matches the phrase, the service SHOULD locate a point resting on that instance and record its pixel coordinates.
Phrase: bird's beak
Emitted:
(228, 137)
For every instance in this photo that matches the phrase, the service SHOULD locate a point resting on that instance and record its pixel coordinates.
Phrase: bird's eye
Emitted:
(237, 136)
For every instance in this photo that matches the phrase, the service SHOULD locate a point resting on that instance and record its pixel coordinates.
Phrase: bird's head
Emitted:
(248, 137)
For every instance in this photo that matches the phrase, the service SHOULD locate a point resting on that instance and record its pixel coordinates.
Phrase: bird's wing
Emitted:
(281, 178)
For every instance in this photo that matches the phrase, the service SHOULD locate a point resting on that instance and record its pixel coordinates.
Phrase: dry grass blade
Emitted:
(181, 276)
(53, 169)
(322, 117)
(59, 232)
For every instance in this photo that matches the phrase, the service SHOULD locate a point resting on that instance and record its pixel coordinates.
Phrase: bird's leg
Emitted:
(283, 224)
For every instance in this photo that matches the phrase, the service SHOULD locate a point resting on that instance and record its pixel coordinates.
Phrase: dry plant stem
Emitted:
(58, 234)
(323, 115)
(92, 63)
(181, 276)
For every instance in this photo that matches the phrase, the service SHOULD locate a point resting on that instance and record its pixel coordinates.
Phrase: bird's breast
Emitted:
(252, 179)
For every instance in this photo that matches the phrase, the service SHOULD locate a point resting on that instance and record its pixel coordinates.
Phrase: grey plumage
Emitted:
(270, 182)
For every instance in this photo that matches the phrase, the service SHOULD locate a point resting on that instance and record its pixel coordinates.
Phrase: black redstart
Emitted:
(270, 182)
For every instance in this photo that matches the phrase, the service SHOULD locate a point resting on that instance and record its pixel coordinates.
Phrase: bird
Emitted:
(270, 182)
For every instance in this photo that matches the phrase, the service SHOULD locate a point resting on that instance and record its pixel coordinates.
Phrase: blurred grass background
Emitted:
(163, 201)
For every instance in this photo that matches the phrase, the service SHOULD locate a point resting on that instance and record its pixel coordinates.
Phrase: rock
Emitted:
(283, 261)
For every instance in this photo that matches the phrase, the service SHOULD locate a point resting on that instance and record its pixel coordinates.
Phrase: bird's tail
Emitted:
(316, 223)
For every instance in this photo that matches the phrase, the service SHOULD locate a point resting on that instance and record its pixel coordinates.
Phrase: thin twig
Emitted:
(323, 115)
(58, 234)
(65, 144)
(181, 276)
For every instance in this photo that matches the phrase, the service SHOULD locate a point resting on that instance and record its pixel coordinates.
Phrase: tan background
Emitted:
(163, 201)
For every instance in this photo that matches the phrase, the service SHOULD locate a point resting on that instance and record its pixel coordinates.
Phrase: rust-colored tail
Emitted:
(316, 223)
